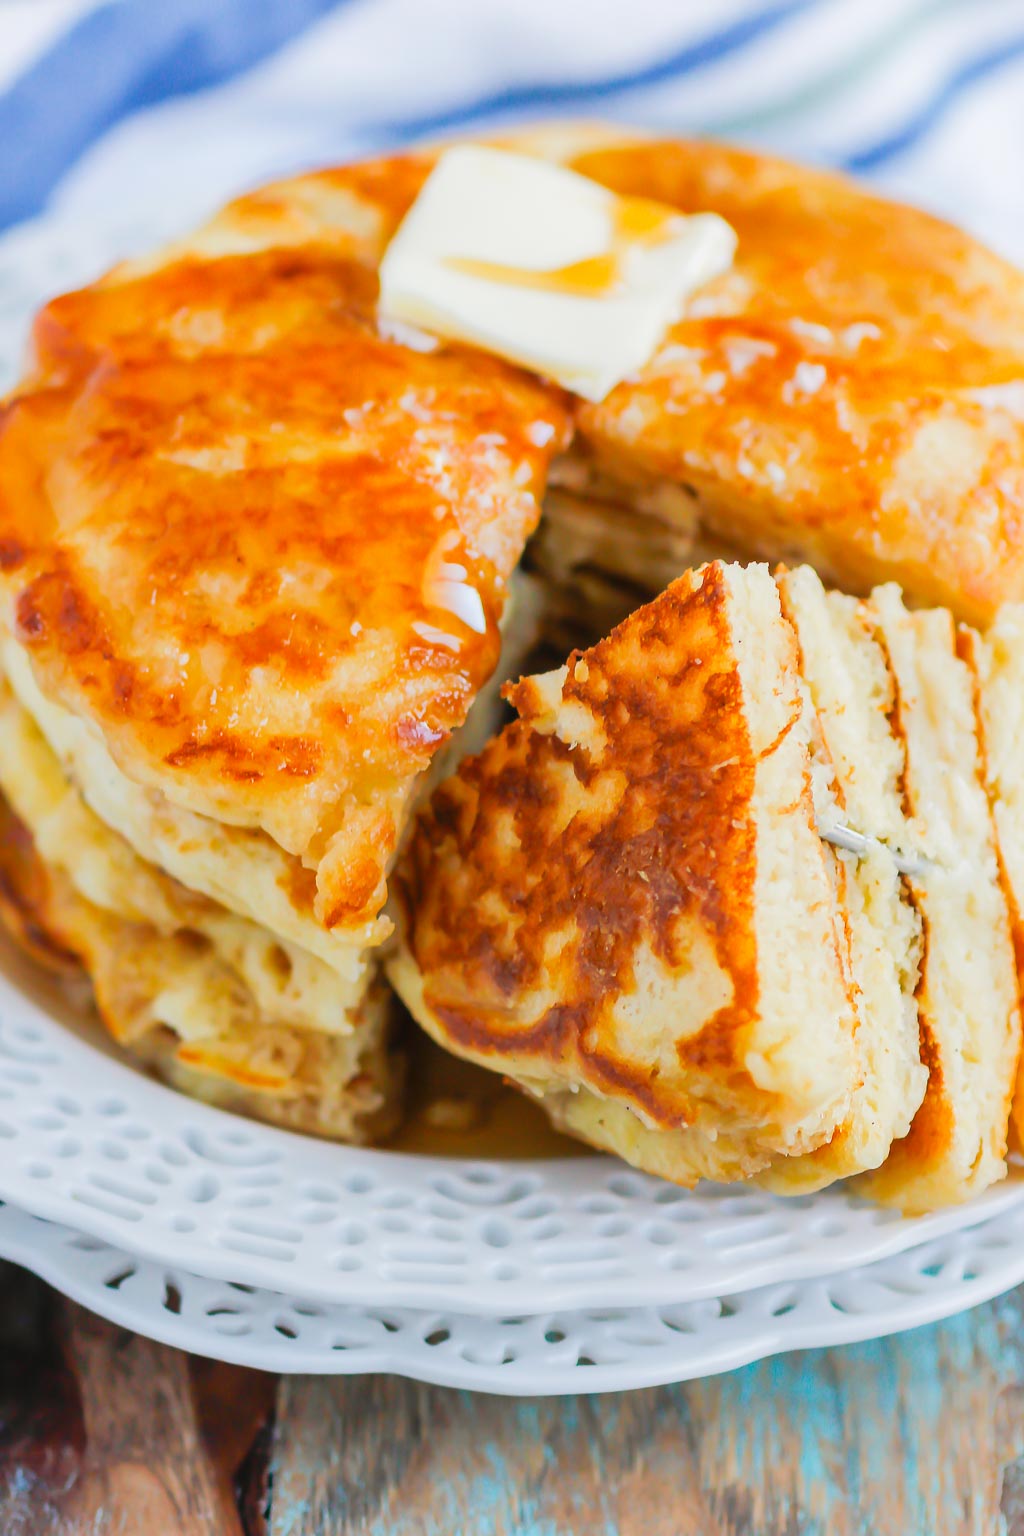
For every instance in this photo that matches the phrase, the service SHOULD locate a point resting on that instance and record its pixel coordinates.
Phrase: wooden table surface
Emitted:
(105, 1434)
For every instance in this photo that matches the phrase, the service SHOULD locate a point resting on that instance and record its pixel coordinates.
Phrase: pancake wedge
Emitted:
(624, 904)
(632, 905)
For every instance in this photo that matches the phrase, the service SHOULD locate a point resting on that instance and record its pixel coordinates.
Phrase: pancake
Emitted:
(262, 548)
(178, 1004)
(632, 905)
(968, 1002)
(211, 1000)
(256, 541)
(851, 394)
(290, 984)
(255, 558)
(624, 905)
(852, 695)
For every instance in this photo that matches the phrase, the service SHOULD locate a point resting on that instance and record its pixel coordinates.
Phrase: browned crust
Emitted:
(664, 835)
(836, 472)
(224, 500)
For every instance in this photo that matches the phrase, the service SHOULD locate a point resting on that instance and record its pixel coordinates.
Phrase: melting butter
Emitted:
(545, 267)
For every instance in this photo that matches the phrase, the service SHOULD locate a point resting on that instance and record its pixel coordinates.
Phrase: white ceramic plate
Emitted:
(88, 1141)
(610, 1349)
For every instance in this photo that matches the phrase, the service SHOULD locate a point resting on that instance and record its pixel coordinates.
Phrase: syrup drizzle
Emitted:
(635, 221)
(446, 586)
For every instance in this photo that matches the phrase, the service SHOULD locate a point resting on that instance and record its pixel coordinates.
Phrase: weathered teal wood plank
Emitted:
(917, 1436)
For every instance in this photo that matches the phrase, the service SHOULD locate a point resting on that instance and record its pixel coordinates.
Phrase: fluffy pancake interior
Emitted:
(968, 992)
(794, 867)
(242, 869)
(997, 661)
(851, 694)
(208, 998)
(604, 545)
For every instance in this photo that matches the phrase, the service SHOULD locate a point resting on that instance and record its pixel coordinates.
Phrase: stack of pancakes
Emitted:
(256, 550)
(254, 563)
(630, 904)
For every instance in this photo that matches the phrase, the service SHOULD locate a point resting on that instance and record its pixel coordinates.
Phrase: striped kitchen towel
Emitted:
(165, 107)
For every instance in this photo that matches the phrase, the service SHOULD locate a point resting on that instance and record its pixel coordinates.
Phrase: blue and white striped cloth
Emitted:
(166, 107)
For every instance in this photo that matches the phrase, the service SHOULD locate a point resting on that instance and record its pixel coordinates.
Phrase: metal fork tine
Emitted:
(858, 843)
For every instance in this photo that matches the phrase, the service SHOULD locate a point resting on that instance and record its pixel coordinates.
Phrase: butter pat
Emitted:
(546, 268)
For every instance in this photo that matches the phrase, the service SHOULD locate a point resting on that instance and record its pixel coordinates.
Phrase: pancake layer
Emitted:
(630, 905)
(601, 904)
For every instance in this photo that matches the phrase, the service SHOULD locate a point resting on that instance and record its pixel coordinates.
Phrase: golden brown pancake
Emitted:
(624, 904)
(237, 529)
(255, 542)
(850, 394)
(255, 550)
(631, 905)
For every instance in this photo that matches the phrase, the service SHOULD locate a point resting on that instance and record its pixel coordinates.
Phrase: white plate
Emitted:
(560, 1351)
(88, 1141)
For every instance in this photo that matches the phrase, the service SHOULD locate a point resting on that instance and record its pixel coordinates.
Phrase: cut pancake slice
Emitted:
(968, 1007)
(896, 710)
(624, 904)
(210, 999)
(631, 904)
(997, 663)
(860, 774)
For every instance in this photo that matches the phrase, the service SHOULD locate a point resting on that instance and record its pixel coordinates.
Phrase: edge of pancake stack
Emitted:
(255, 566)
(631, 903)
